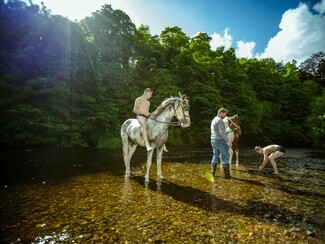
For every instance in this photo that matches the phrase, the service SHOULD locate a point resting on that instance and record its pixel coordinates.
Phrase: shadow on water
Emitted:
(208, 202)
(279, 187)
(280, 179)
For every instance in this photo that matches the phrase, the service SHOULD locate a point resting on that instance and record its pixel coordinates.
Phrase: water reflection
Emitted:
(159, 181)
(126, 190)
(62, 237)
(147, 187)
(49, 165)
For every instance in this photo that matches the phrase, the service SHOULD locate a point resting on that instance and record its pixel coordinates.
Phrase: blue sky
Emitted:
(248, 20)
(281, 29)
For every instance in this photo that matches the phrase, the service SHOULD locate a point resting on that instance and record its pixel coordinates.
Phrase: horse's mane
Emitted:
(167, 102)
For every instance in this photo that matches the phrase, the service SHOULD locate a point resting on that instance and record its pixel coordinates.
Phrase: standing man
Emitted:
(219, 142)
(141, 108)
(270, 153)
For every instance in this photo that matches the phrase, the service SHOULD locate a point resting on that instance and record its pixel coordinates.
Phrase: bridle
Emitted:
(236, 127)
(178, 113)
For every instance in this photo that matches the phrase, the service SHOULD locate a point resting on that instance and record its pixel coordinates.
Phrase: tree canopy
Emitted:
(68, 84)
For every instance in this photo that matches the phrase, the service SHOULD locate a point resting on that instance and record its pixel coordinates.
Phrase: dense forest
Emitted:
(68, 84)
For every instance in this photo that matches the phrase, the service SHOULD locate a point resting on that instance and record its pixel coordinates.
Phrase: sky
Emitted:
(284, 30)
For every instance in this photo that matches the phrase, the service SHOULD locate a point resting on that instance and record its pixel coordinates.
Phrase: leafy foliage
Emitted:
(67, 84)
(316, 121)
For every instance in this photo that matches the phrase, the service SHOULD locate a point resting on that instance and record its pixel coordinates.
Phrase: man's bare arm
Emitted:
(136, 106)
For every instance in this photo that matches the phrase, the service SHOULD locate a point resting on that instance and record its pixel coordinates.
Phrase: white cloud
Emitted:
(302, 34)
(320, 7)
(219, 40)
(245, 49)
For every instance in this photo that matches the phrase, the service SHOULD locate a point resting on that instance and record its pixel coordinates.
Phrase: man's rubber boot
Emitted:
(226, 171)
(213, 169)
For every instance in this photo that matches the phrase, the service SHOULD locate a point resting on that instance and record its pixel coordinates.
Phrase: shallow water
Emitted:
(82, 196)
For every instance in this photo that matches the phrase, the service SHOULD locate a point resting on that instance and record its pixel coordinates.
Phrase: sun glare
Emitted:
(77, 10)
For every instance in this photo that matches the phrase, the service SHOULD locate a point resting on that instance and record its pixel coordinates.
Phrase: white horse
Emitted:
(233, 131)
(157, 128)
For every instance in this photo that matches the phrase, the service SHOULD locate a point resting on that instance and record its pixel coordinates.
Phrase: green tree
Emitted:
(316, 121)
(313, 68)
(27, 122)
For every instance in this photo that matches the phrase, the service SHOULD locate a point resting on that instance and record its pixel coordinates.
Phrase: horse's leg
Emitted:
(149, 161)
(159, 157)
(231, 140)
(237, 157)
(131, 150)
(231, 152)
(220, 161)
(236, 143)
(126, 156)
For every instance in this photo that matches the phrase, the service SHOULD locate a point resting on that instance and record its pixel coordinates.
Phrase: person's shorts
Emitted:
(281, 149)
(141, 118)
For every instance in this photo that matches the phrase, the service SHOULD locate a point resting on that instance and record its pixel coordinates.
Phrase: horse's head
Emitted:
(181, 106)
(233, 124)
(178, 106)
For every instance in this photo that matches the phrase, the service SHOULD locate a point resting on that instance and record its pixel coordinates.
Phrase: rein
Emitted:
(178, 123)
(166, 122)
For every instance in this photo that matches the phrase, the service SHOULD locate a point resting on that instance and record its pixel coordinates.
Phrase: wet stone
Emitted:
(186, 207)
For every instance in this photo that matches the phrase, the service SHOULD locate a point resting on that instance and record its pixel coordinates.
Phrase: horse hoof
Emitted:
(160, 177)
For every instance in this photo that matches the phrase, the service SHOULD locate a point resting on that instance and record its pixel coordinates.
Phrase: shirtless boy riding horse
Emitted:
(141, 108)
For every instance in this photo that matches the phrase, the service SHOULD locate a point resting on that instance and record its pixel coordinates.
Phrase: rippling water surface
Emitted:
(82, 196)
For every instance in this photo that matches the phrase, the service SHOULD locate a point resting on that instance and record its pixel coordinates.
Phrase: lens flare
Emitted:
(208, 176)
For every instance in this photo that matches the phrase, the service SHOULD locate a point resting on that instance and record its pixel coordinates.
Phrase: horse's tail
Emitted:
(127, 154)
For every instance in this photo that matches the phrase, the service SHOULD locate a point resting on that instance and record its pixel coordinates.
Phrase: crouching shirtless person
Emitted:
(270, 153)
(141, 108)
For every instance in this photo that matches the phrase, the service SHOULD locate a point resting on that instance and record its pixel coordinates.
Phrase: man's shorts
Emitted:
(142, 118)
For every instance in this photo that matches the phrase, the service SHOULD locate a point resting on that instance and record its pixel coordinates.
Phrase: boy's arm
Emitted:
(266, 158)
(136, 106)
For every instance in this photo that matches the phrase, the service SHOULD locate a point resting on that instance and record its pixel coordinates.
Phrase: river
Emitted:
(81, 195)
